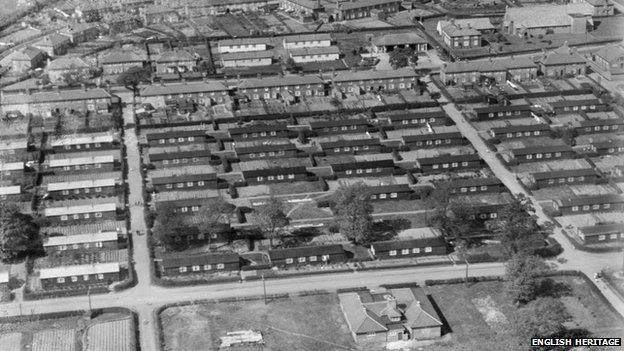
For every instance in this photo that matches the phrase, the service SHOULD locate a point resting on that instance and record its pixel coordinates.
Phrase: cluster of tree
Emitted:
(403, 57)
(272, 219)
(133, 77)
(19, 234)
(515, 227)
(539, 312)
(215, 218)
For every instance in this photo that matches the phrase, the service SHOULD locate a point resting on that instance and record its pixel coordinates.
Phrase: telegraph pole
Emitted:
(264, 289)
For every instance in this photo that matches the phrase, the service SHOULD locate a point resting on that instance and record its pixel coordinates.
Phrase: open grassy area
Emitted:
(301, 323)
(478, 316)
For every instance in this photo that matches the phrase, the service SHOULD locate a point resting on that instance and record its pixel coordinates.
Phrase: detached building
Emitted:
(72, 214)
(601, 233)
(356, 146)
(307, 41)
(542, 153)
(79, 275)
(390, 192)
(456, 36)
(315, 54)
(171, 265)
(83, 188)
(185, 182)
(388, 316)
(589, 203)
(247, 59)
(363, 168)
(521, 131)
(608, 61)
(565, 177)
(242, 45)
(562, 62)
(548, 19)
(119, 61)
(303, 255)
(445, 163)
(350, 10)
(416, 242)
(390, 42)
(175, 61)
(274, 175)
(91, 241)
(502, 112)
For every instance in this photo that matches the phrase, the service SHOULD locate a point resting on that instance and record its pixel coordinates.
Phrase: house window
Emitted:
(312, 258)
(195, 268)
(416, 250)
(428, 249)
(602, 237)
(182, 269)
(405, 252)
(289, 260)
(392, 253)
(220, 266)
(207, 267)
(100, 276)
(60, 280)
(575, 208)
(85, 277)
(74, 278)
(302, 259)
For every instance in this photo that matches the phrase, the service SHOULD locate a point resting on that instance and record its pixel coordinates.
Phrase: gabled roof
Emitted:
(351, 5)
(80, 238)
(184, 178)
(52, 40)
(602, 122)
(59, 211)
(243, 41)
(541, 149)
(468, 182)
(175, 56)
(339, 123)
(179, 154)
(184, 88)
(258, 127)
(610, 53)
(355, 142)
(67, 62)
(177, 134)
(80, 184)
(448, 158)
(399, 39)
(590, 200)
(478, 23)
(602, 229)
(307, 37)
(337, 167)
(454, 30)
(87, 160)
(123, 56)
(264, 148)
(348, 76)
(360, 320)
(274, 171)
(78, 270)
(280, 81)
(563, 55)
(56, 96)
(564, 173)
(184, 260)
(305, 251)
(522, 128)
(540, 16)
(10, 190)
(432, 136)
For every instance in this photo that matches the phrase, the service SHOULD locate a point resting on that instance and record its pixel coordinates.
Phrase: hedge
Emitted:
(39, 295)
(487, 278)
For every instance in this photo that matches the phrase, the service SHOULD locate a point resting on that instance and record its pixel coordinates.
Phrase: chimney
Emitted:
(391, 302)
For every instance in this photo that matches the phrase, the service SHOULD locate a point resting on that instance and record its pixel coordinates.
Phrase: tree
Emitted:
(271, 218)
(516, 229)
(291, 65)
(522, 280)
(457, 219)
(74, 76)
(206, 66)
(19, 234)
(133, 77)
(543, 317)
(166, 229)
(215, 215)
(352, 209)
(402, 57)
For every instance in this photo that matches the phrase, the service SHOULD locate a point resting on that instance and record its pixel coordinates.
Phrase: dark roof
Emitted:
(265, 148)
(521, 128)
(432, 136)
(501, 108)
(307, 37)
(416, 115)
(255, 128)
(590, 200)
(184, 178)
(602, 122)
(607, 144)
(184, 260)
(564, 173)
(337, 167)
(305, 251)
(601, 229)
(179, 154)
(246, 55)
(176, 134)
(339, 123)
(392, 188)
(195, 201)
(467, 182)
(274, 171)
(407, 244)
(448, 158)
(541, 149)
(355, 142)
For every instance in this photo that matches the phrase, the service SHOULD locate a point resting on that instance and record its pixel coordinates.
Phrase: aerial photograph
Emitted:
(311, 175)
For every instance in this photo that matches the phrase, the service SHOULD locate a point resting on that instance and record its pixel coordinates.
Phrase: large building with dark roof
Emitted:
(303, 255)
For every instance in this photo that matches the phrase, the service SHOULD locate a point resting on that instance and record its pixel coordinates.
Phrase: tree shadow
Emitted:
(551, 288)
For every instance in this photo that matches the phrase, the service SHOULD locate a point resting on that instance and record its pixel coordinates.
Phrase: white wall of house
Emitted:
(306, 44)
(242, 48)
(315, 58)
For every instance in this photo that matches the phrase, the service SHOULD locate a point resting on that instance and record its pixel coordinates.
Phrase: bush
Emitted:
(240, 215)
(232, 191)
(324, 184)
(431, 282)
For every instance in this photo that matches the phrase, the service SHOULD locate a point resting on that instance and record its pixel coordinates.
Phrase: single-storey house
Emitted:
(302, 255)
(89, 241)
(79, 275)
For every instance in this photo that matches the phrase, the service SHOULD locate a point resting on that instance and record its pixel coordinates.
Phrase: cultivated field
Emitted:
(478, 316)
(106, 332)
(117, 335)
(309, 323)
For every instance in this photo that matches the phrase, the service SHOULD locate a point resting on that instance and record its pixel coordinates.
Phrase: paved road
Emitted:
(588, 263)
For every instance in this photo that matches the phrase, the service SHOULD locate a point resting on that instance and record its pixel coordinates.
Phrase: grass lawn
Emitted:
(301, 323)
(398, 206)
(478, 316)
